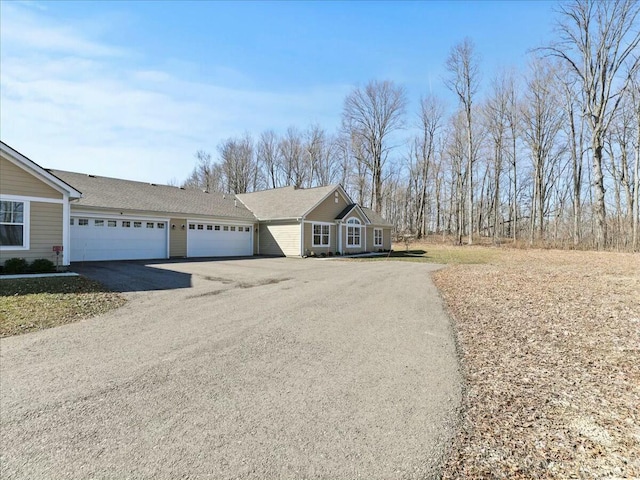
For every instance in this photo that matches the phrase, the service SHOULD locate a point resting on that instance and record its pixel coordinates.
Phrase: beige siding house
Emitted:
(34, 210)
(315, 221)
(116, 219)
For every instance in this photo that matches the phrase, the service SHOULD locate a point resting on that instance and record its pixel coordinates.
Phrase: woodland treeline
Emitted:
(548, 156)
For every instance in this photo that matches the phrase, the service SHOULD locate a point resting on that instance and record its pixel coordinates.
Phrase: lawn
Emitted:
(33, 304)
(550, 347)
(436, 253)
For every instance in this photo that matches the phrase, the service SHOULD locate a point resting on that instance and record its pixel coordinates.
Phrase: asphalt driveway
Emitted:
(260, 368)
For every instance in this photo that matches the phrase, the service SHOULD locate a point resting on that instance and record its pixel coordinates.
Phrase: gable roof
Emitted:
(286, 202)
(351, 208)
(376, 218)
(34, 169)
(115, 193)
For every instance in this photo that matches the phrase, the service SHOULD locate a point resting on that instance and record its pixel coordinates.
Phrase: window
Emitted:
(13, 224)
(83, 222)
(225, 228)
(233, 229)
(71, 222)
(200, 227)
(150, 224)
(126, 224)
(377, 237)
(353, 232)
(161, 226)
(217, 227)
(209, 227)
(247, 229)
(111, 223)
(98, 223)
(320, 235)
(137, 224)
(192, 226)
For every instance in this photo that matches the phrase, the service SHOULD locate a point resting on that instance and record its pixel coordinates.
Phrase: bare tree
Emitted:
(542, 121)
(423, 153)
(291, 150)
(462, 65)
(238, 164)
(371, 115)
(206, 175)
(270, 161)
(597, 39)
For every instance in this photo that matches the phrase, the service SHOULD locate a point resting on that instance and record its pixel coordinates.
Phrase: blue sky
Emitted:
(134, 89)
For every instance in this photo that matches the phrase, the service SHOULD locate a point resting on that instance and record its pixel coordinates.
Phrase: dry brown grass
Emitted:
(30, 304)
(550, 347)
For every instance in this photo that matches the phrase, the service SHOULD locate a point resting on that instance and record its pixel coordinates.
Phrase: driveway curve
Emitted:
(257, 369)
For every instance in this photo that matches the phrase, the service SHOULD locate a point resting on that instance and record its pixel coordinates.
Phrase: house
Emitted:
(116, 219)
(34, 210)
(304, 221)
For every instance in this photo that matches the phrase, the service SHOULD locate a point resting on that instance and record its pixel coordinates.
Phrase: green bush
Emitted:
(42, 265)
(15, 265)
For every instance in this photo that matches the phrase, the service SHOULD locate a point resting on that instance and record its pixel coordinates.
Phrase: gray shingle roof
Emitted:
(375, 218)
(346, 210)
(285, 202)
(116, 193)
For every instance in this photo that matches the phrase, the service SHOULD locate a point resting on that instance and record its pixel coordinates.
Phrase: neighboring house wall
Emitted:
(328, 209)
(177, 237)
(45, 231)
(386, 238)
(280, 239)
(42, 220)
(308, 239)
(15, 181)
(364, 237)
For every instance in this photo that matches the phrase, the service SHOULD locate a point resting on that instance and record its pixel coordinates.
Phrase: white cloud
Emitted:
(69, 102)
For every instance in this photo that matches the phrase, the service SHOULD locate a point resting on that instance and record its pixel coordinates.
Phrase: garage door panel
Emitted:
(219, 243)
(102, 242)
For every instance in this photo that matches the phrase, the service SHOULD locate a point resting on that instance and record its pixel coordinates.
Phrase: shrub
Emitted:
(42, 265)
(15, 265)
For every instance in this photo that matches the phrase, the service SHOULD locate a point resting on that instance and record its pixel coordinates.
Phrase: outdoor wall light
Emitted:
(173, 227)
(182, 226)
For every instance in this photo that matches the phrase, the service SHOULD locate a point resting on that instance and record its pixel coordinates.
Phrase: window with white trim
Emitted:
(125, 223)
(217, 228)
(111, 223)
(161, 225)
(83, 222)
(210, 227)
(353, 232)
(150, 224)
(320, 235)
(377, 237)
(192, 226)
(13, 221)
(98, 223)
(137, 224)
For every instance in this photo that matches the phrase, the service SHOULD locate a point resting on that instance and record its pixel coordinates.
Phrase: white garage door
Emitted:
(211, 240)
(122, 239)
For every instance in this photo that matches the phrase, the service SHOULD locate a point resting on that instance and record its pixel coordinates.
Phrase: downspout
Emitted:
(301, 220)
(66, 230)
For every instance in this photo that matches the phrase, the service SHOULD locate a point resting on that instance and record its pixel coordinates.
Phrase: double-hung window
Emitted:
(320, 235)
(14, 217)
(353, 232)
(377, 237)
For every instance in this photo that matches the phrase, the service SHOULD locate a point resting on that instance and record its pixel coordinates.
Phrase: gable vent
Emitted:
(153, 184)
(182, 188)
(91, 176)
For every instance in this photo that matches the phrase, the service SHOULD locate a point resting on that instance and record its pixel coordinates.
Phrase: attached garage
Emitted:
(219, 240)
(117, 239)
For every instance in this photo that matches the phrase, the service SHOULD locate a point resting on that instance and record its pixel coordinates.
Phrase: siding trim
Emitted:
(27, 198)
